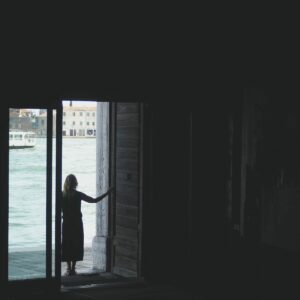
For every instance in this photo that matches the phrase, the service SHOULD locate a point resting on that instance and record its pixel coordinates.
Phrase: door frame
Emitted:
(51, 282)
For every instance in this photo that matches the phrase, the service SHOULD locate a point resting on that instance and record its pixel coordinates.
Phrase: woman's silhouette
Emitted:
(72, 227)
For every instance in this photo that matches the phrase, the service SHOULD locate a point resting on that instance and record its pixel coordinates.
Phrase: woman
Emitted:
(72, 227)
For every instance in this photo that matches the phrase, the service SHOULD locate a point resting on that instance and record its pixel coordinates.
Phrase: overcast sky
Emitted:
(80, 103)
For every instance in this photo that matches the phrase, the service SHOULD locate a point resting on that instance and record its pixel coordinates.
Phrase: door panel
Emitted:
(126, 240)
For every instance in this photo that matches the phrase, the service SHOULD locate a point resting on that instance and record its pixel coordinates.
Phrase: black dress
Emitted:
(72, 227)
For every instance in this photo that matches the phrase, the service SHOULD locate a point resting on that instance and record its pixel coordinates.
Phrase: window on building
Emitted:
(81, 113)
(87, 113)
(74, 113)
(93, 114)
(64, 114)
(64, 123)
(93, 123)
(73, 122)
(81, 123)
(87, 123)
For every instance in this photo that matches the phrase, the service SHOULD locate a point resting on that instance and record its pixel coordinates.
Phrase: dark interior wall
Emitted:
(185, 223)
(208, 263)
(166, 208)
(267, 252)
(280, 178)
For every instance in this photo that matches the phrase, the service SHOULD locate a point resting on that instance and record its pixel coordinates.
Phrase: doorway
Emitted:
(118, 224)
(79, 159)
(115, 254)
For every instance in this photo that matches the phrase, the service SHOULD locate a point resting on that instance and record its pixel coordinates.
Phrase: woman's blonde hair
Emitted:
(70, 184)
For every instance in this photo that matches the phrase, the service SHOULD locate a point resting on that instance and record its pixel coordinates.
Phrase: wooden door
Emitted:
(126, 248)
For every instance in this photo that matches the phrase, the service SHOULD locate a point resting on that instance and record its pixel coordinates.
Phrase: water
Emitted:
(27, 190)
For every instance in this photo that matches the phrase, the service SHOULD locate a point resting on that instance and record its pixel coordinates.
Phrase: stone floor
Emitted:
(145, 292)
(31, 265)
(89, 284)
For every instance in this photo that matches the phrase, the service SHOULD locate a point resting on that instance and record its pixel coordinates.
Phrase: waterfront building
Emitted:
(79, 121)
(21, 122)
(27, 113)
(41, 124)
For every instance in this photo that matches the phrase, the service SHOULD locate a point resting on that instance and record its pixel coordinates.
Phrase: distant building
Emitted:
(42, 110)
(41, 124)
(22, 119)
(79, 121)
(26, 113)
(14, 112)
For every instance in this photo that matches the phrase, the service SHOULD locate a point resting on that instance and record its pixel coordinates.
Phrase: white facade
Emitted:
(79, 121)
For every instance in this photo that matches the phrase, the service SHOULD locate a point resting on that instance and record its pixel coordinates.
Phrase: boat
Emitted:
(21, 139)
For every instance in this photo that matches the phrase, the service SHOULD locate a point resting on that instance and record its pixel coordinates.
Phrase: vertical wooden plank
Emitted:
(141, 186)
(128, 167)
(190, 186)
(236, 169)
(244, 156)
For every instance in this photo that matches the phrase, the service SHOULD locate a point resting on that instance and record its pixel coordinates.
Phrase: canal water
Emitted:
(27, 190)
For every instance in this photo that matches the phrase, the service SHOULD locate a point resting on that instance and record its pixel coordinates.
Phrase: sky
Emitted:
(80, 103)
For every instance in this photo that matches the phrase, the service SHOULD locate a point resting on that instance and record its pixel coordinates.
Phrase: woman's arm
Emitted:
(95, 200)
(104, 195)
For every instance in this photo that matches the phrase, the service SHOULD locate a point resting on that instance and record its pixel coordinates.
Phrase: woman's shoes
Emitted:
(73, 272)
(70, 272)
